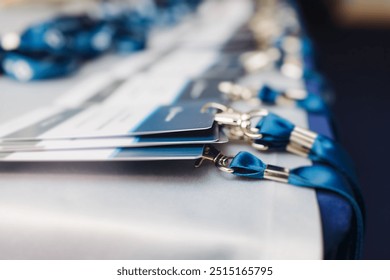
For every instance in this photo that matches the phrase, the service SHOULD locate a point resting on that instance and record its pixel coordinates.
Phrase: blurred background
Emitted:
(353, 47)
(352, 38)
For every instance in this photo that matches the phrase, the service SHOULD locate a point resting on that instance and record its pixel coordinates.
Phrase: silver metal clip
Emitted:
(259, 60)
(210, 153)
(291, 96)
(236, 92)
(237, 125)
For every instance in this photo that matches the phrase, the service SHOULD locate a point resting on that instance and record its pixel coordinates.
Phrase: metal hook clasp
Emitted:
(236, 92)
(237, 125)
(210, 153)
(259, 60)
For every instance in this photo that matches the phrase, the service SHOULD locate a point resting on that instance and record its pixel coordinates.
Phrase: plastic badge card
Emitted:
(182, 152)
(186, 138)
(114, 117)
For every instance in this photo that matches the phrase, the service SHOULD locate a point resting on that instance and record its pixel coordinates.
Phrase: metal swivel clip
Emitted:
(237, 125)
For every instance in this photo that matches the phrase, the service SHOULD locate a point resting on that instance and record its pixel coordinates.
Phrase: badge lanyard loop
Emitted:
(274, 133)
(317, 176)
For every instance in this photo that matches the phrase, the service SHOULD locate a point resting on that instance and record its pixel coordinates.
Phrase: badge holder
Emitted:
(266, 131)
(239, 126)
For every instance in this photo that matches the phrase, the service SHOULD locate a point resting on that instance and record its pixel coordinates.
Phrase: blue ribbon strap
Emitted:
(57, 46)
(318, 176)
(312, 103)
(268, 95)
(276, 133)
(92, 42)
(30, 67)
(53, 35)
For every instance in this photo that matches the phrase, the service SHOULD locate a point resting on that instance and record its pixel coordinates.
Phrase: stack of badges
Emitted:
(200, 86)
(149, 111)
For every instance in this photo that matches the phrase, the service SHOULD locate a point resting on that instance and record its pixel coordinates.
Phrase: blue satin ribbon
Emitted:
(312, 103)
(92, 42)
(308, 54)
(317, 176)
(53, 35)
(172, 11)
(57, 47)
(82, 35)
(276, 132)
(28, 67)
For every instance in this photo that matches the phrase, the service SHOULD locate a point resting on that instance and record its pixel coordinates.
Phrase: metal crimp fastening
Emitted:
(276, 173)
(301, 141)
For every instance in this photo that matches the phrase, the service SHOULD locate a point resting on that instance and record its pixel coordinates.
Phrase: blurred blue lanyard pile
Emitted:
(59, 46)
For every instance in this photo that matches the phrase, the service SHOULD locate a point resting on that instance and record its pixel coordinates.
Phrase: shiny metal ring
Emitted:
(214, 105)
(222, 164)
(246, 125)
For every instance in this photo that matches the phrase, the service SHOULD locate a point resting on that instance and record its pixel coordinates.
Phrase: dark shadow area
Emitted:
(356, 62)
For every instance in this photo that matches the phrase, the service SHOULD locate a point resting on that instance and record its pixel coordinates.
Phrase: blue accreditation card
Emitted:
(109, 121)
(159, 153)
(202, 89)
(211, 136)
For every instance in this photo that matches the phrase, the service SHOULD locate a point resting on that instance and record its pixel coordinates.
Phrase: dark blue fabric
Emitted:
(333, 208)
(335, 211)
(322, 177)
(337, 223)
(307, 54)
(313, 104)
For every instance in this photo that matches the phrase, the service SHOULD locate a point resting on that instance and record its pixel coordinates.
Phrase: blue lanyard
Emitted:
(317, 176)
(278, 133)
(24, 66)
(312, 103)
(273, 132)
(53, 35)
(58, 46)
